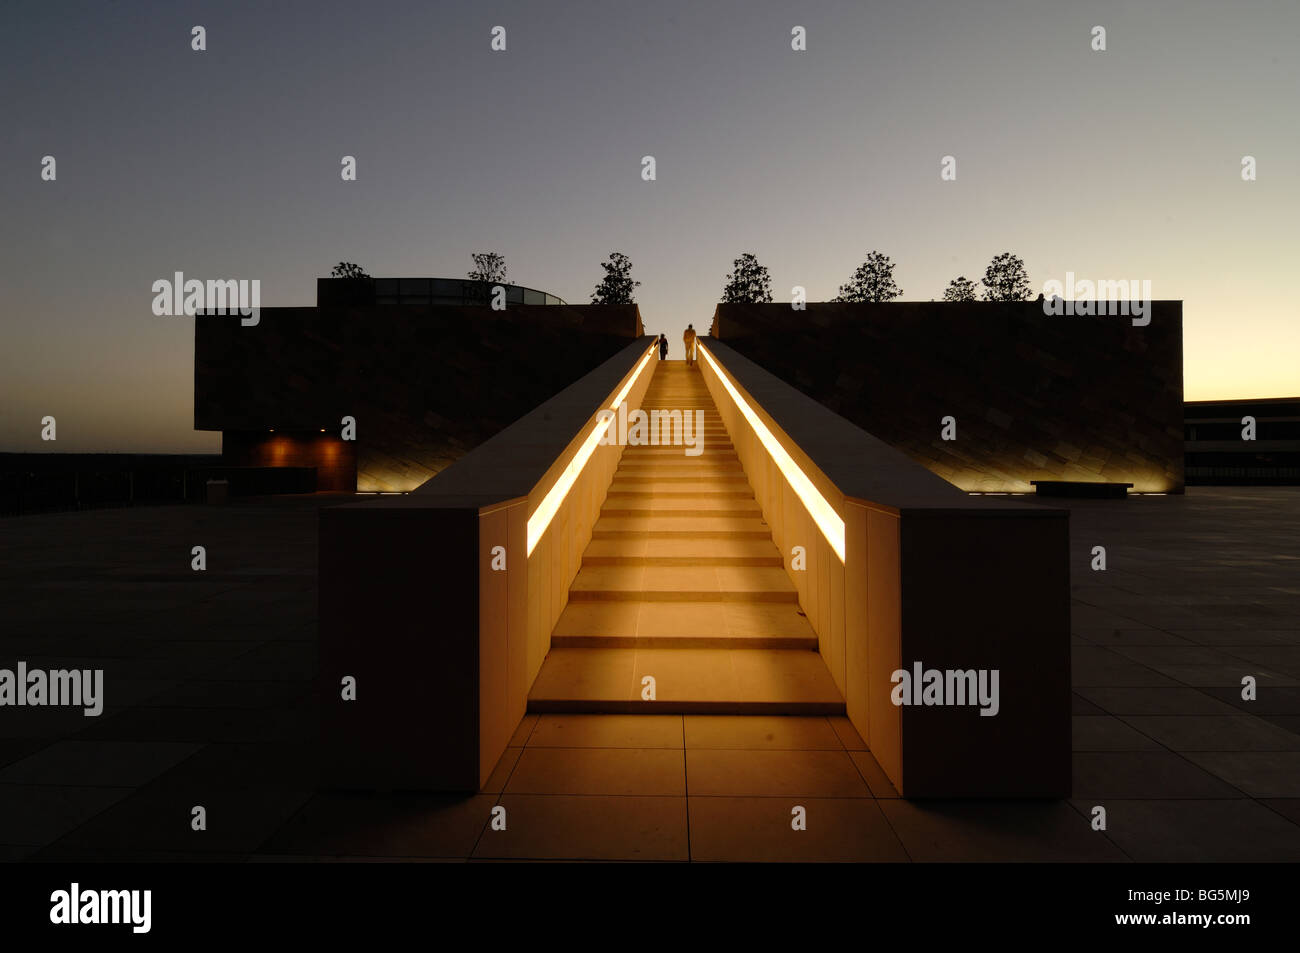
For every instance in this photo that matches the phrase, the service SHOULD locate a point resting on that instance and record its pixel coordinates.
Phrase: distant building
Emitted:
(388, 380)
(1217, 454)
(460, 292)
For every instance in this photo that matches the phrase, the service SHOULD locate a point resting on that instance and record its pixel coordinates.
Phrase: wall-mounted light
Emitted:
(550, 505)
(819, 508)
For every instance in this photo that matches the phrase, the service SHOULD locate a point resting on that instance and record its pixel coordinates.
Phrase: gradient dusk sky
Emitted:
(1123, 164)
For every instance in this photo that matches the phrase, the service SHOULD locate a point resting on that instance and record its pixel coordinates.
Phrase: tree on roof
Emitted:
(960, 288)
(617, 287)
(489, 268)
(748, 283)
(873, 281)
(347, 269)
(1005, 279)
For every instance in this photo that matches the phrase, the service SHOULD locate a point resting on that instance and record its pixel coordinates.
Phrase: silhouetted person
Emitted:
(689, 338)
(663, 347)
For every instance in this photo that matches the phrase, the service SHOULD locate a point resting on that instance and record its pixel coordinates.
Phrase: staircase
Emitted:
(682, 582)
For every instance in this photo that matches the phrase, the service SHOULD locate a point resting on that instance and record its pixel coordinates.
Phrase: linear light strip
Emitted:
(819, 508)
(550, 505)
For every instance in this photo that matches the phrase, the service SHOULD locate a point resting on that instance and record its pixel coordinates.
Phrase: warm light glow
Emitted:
(550, 505)
(381, 481)
(819, 508)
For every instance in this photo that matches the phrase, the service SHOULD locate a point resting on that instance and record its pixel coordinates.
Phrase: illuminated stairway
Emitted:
(682, 582)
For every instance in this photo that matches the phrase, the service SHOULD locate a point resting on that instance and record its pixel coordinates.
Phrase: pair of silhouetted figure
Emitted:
(688, 338)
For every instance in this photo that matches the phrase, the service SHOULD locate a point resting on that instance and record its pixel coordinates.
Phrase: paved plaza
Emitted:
(210, 701)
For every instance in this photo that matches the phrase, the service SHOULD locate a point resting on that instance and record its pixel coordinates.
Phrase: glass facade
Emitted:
(451, 291)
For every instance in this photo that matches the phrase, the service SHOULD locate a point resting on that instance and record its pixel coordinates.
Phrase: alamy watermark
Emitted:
(77, 906)
(658, 428)
(1101, 298)
(180, 295)
(952, 686)
(78, 688)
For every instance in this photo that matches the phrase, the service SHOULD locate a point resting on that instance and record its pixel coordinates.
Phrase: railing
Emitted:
(896, 568)
(439, 605)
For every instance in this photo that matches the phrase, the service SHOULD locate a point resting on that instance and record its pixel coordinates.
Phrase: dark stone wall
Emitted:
(425, 384)
(1036, 397)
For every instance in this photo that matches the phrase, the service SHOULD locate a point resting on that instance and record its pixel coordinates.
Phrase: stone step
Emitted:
(661, 551)
(682, 507)
(716, 426)
(677, 440)
(709, 444)
(715, 476)
(700, 625)
(718, 476)
(742, 681)
(670, 461)
(671, 402)
(721, 459)
(632, 489)
(704, 444)
(671, 430)
(681, 527)
(709, 419)
(710, 436)
(699, 583)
